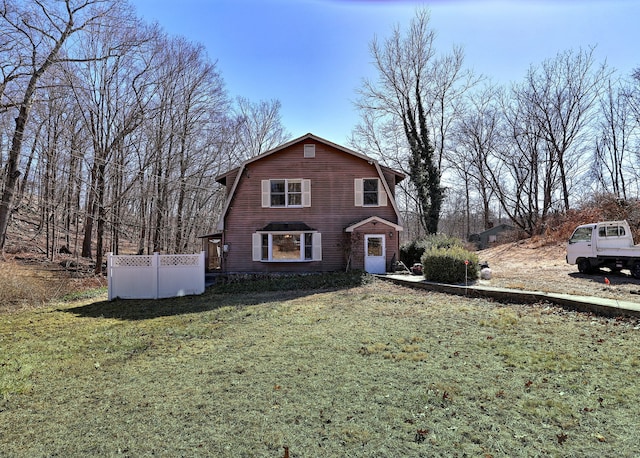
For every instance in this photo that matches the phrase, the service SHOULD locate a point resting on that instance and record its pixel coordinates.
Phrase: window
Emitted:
(308, 245)
(611, 231)
(286, 193)
(265, 246)
(375, 246)
(369, 192)
(287, 247)
(310, 151)
(582, 234)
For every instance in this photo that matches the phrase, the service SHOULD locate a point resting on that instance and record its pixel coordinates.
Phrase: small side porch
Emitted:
(374, 245)
(214, 250)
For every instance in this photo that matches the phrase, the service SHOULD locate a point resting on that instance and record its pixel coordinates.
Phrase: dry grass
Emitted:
(526, 266)
(369, 371)
(20, 286)
(26, 287)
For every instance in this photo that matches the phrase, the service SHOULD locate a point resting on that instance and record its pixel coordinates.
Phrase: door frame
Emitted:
(379, 262)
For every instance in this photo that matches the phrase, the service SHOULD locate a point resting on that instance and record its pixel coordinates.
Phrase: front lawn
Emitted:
(374, 370)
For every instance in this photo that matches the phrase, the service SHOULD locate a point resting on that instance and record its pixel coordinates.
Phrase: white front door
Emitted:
(374, 254)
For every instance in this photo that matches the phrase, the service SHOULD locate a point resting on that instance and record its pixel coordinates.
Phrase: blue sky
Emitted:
(313, 54)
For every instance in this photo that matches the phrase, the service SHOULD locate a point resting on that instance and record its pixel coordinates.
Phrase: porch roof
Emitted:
(374, 220)
(216, 235)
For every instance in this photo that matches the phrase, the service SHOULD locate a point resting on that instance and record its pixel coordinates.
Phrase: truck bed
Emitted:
(627, 252)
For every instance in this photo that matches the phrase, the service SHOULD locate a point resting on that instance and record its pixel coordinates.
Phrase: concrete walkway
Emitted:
(597, 305)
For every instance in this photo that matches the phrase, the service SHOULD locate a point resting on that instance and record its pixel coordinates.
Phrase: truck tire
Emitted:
(635, 269)
(584, 266)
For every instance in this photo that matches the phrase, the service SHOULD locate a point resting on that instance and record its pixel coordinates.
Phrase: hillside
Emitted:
(532, 265)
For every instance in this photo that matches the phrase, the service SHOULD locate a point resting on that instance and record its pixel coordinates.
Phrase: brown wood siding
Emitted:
(332, 173)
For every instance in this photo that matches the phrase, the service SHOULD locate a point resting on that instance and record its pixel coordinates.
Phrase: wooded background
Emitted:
(112, 132)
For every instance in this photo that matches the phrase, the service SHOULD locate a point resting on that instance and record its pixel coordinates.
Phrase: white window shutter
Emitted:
(306, 193)
(382, 195)
(357, 186)
(256, 246)
(317, 246)
(266, 193)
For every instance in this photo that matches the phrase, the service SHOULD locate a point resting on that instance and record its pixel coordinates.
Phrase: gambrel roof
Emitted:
(238, 171)
(222, 178)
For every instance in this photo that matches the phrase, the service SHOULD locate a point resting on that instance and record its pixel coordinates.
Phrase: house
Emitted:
(308, 205)
(486, 238)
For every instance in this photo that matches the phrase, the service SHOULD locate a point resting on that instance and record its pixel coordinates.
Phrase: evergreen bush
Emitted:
(447, 265)
(411, 252)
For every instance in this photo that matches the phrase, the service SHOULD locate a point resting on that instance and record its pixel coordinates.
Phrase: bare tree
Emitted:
(633, 94)
(176, 149)
(617, 128)
(112, 94)
(521, 174)
(124, 128)
(50, 171)
(203, 104)
(416, 94)
(36, 33)
(259, 127)
(549, 121)
(560, 97)
(476, 139)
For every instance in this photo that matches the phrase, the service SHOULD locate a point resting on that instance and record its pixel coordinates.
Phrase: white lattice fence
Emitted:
(155, 276)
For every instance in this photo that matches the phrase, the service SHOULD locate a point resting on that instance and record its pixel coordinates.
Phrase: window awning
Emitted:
(217, 235)
(284, 226)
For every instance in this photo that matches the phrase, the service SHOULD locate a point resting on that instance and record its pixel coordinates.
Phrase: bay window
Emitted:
(287, 247)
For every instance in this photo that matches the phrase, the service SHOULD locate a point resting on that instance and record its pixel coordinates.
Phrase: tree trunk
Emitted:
(12, 175)
(100, 192)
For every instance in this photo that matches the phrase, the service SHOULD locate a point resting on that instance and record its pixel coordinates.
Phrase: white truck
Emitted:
(606, 244)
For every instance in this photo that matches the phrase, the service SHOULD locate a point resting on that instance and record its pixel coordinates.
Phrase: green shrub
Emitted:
(411, 252)
(447, 265)
(442, 241)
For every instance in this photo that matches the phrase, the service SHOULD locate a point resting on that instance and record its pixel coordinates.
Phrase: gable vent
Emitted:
(309, 150)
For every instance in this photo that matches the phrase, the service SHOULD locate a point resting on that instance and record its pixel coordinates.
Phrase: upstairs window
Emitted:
(286, 193)
(369, 192)
(309, 151)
